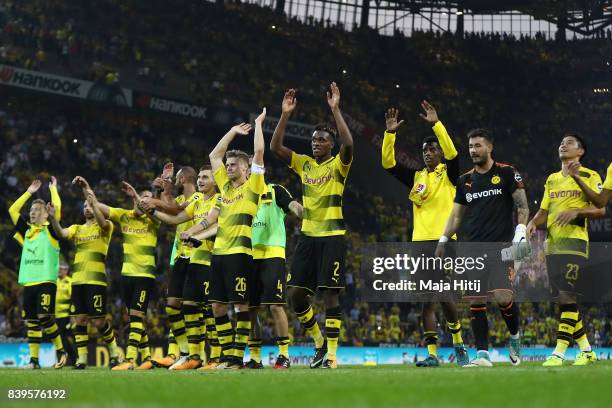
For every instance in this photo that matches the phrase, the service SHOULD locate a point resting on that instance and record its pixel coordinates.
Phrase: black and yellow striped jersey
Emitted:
(139, 242)
(91, 243)
(63, 296)
(237, 207)
(198, 210)
(608, 183)
(182, 249)
(322, 191)
(562, 193)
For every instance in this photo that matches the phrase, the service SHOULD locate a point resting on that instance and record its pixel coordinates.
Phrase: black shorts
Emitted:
(197, 283)
(318, 263)
(39, 299)
(89, 300)
(434, 272)
(564, 272)
(497, 275)
(136, 292)
(268, 282)
(176, 278)
(229, 278)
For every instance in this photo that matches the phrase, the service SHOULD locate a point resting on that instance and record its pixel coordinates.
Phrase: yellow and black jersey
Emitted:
(91, 243)
(139, 242)
(198, 210)
(322, 191)
(432, 193)
(237, 207)
(182, 249)
(562, 193)
(608, 183)
(63, 296)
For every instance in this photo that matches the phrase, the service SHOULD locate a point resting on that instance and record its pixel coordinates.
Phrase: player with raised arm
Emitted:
(432, 190)
(483, 207)
(38, 270)
(600, 199)
(197, 276)
(565, 210)
(318, 264)
(179, 260)
(268, 282)
(137, 272)
(89, 281)
(232, 258)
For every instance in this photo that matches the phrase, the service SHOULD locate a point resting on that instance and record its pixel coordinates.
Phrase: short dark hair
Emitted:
(430, 139)
(189, 173)
(579, 139)
(238, 154)
(205, 167)
(481, 132)
(327, 127)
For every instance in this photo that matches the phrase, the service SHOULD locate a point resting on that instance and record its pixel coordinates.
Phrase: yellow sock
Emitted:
(243, 328)
(136, 331)
(283, 346)
(143, 347)
(255, 349)
(565, 331)
(431, 340)
(455, 331)
(192, 325)
(225, 333)
(333, 323)
(108, 335)
(177, 325)
(580, 337)
(211, 333)
(312, 327)
(52, 331)
(34, 338)
(173, 348)
(82, 339)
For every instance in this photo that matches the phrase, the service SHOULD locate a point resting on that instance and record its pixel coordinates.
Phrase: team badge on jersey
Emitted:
(421, 188)
(495, 179)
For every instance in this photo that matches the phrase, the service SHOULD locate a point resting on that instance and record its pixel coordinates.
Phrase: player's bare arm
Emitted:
(206, 223)
(217, 154)
(522, 206)
(566, 217)
(297, 209)
(599, 199)
(276, 144)
(259, 146)
(210, 232)
(346, 139)
(169, 218)
(98, 214)
(55, 224)
(538, 219)
(452, 226)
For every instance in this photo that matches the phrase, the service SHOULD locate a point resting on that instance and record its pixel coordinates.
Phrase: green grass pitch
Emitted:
(527, 385)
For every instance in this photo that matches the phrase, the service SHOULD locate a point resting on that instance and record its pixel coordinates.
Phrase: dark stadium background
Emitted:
(232, 61)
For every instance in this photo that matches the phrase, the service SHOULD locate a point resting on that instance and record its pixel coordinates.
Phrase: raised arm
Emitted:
(55, 198)
(401, 173)
(169, 218)
(217, 154)
(259, 145)
(59, 231)
(98, 214)
(346, 139)
(276, 144)
(600, 200)
(15, 209)
(444, 140)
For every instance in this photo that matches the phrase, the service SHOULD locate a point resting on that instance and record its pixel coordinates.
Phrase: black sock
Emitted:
(480, 326)
(511, 315)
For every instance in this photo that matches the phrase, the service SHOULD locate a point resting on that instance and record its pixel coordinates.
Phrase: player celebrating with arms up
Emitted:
(318, 263)
(432, 190)
(483, 208)
(565, 210)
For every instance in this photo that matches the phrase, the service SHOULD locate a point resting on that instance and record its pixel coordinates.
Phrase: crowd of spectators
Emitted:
(527, 90)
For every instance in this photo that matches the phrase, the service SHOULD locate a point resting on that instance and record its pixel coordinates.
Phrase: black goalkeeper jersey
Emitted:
(488, 197)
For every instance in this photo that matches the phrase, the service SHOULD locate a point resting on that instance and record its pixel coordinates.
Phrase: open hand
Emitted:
(34, 186)
(431, 115)
(333, 96)
(391, 120)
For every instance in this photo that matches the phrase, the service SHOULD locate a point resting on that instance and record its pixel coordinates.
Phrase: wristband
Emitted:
(443, 239)
(205, 224)
(257, 168)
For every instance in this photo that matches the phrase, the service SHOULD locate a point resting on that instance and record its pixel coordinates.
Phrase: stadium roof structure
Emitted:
(585, 17)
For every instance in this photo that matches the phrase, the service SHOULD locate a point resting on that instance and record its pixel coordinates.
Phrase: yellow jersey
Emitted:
(237, 207)
(139, 242)
(180, 248)
(561, 193)
(432, 193)
(91, 243)
(63, 297)
(198, 210)
(322, 191)
(608, 183)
